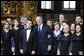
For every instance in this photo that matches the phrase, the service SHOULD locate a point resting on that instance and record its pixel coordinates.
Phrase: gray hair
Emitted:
(39, 17)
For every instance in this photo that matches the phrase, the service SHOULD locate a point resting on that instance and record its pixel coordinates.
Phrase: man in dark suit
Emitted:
(41, 32)
(24, 20)
(26, 40)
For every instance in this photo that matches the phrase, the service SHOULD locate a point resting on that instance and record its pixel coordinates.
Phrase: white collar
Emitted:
(40, 26)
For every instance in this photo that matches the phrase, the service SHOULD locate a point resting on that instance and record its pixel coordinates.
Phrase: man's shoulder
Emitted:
(35, 27)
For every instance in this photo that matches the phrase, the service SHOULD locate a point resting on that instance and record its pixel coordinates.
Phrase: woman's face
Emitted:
(57, 27)
(78, 28)
(66, 29)
(6, 26)
(16, 23)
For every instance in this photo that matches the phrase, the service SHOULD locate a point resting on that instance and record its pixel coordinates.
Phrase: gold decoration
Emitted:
(15, 9)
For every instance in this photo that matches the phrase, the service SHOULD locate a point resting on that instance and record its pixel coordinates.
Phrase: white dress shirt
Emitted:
(61, 28)
(28, 34)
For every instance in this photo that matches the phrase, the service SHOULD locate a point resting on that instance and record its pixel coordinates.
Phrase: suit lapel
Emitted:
(25, 35)
(42, 28)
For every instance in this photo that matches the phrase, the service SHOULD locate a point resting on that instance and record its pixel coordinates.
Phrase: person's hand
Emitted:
(58, 52)
(1, 41)
(70, 53)
(49, 36)
(49, 47)
(80, 53)
(21, 51)
(12, 49)
(2, 49)
(33, 52)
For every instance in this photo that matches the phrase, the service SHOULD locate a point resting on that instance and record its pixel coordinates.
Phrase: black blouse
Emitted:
(77, 41)
(65, 41)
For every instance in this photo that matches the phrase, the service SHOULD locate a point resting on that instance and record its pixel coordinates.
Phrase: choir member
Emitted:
(31, 23)
(27, 40)
(23, 22)
(16, 36)
(10, 22)
(43, 44)
(6, 39)
(61, 20)
(72, 32)
(63, 24)
(56, 38)
(12, 40)
(65, 41)
(50, 23)
(78, 20)
(77, 40)
(72, 28)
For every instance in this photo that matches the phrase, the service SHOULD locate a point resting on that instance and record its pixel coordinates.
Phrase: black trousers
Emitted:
(64, 51)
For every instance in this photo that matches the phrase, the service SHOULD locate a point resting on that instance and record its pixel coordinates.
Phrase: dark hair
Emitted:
(78, 15)
(17, 20)
(5, 24)
(80, 27)
(73, 23)
(49, 20)
(61, 14)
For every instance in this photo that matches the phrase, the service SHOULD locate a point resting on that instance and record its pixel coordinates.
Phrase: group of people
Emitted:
(58, 38)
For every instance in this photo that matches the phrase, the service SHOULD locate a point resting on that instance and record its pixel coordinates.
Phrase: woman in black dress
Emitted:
(65, 41)
(77, 40)
(56, 38)
(16, 36)
(6, 39)
(72, 32)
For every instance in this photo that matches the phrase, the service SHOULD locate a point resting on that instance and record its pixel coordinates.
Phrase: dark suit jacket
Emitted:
(43, 41)
(26, 46)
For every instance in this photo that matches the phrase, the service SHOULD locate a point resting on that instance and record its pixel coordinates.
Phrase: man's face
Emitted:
(49, 23)
(28, 25)
(22, 21)
(78, 19)
(72, 27)
(30, 22)
(39, 20)
(25, 20)
(61, 18)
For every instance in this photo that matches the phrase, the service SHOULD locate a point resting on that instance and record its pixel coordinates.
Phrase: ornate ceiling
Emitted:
(15, 9)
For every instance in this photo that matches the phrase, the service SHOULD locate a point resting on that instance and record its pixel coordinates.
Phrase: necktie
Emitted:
(39, 32)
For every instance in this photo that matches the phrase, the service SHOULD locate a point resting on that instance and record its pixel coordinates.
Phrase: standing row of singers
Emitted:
(42, 39)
